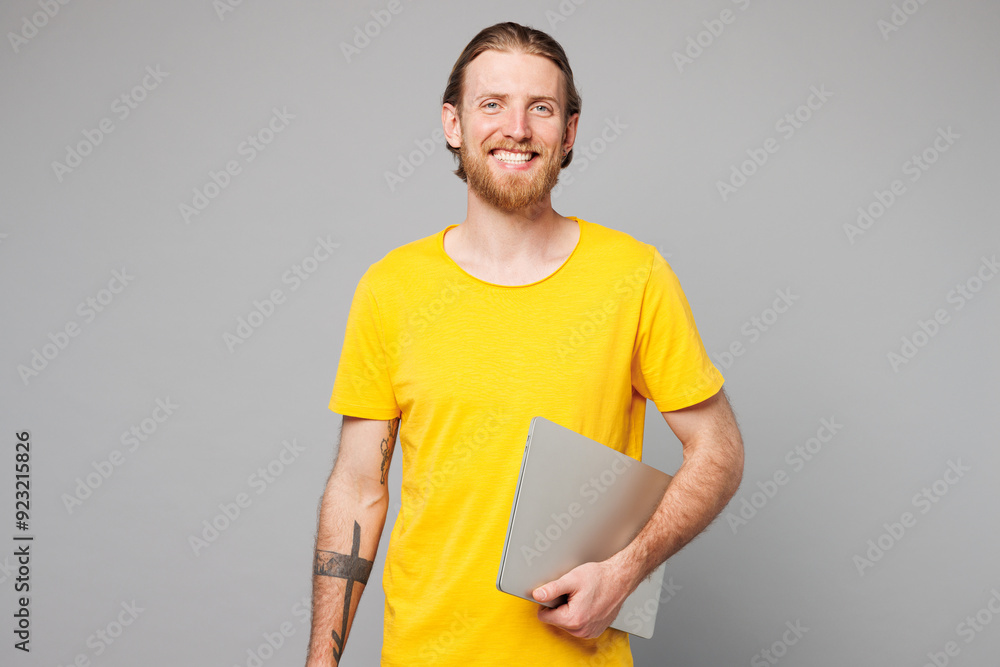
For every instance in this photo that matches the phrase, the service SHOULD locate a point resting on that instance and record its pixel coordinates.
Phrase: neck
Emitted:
(505, 236)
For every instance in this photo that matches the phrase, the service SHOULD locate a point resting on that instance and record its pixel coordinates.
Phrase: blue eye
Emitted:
(489, 103)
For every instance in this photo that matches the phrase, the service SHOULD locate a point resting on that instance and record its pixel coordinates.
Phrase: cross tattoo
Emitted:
(351, 567)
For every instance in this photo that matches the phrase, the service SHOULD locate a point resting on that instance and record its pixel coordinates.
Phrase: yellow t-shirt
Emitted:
(467, 363)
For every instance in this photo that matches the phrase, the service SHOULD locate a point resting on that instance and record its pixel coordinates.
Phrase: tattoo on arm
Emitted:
(351, 567)
(387, 442)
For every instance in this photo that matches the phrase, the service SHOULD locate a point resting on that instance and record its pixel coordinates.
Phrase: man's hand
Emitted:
(595, 593)
(708, 478)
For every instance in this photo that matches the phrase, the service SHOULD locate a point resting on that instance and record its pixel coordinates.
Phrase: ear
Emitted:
(452, 125)
(569, 136)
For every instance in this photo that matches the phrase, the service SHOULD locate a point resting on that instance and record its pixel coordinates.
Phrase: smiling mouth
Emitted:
(510, 157)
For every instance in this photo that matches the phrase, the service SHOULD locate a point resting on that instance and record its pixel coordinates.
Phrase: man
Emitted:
(456, 340)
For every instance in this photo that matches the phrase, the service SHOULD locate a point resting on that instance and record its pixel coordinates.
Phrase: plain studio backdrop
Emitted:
(191, 191)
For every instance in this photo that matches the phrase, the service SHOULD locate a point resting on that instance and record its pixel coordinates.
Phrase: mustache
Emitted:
(523, 148)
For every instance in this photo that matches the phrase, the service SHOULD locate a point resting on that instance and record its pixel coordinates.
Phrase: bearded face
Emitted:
(510, 176)
(512, 128)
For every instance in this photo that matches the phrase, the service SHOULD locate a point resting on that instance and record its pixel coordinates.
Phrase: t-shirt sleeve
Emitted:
(363, 387)
(669, 363)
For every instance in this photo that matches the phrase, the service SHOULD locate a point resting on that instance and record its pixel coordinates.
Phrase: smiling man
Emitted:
(455, 341)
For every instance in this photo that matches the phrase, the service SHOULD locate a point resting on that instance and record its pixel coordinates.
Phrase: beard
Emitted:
(514, 190)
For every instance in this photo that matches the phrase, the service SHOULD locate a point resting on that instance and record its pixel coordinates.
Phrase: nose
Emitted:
(516, 125)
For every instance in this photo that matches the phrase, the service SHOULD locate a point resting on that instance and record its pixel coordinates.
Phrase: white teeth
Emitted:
(505, 156)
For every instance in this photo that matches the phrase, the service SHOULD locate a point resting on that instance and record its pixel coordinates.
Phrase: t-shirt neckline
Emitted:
(559, 269)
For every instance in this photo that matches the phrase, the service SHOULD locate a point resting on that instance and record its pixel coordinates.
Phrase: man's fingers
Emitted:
(554, 616)
(565, 618)
(553, 589)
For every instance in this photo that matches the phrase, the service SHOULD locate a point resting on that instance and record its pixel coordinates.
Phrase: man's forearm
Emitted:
(707, 480)
(346, 543)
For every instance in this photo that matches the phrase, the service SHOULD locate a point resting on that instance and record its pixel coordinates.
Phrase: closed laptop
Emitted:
(579, 501)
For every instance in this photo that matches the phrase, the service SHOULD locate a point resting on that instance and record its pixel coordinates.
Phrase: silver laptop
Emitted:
(578, 501)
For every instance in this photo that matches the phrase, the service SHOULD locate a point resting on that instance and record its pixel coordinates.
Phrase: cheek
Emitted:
(550, 134)
(483, 126)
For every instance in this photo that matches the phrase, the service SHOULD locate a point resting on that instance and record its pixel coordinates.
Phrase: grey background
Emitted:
(324, 175)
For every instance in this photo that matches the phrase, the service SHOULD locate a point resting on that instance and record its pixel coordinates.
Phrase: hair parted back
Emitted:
(511, 38)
